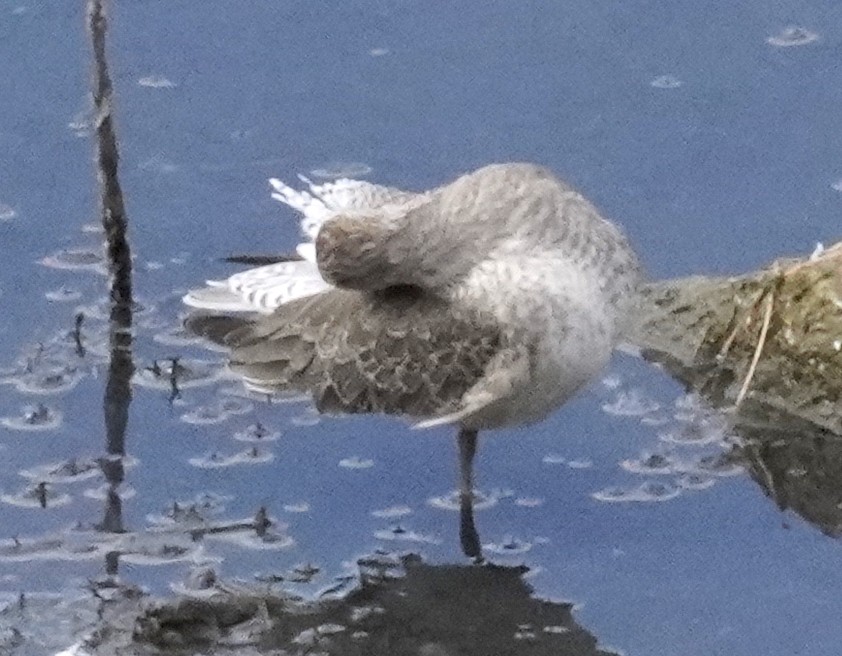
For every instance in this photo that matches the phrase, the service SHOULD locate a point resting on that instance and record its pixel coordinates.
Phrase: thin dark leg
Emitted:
(468, 535)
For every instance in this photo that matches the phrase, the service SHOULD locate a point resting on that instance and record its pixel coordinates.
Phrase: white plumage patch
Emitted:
(262, 289)
(323, 201)
(265, 288)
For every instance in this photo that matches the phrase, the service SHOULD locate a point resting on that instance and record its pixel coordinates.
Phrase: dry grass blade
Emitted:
(761, 341)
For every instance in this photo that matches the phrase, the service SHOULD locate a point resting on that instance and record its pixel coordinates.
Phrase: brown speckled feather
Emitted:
(399, 351)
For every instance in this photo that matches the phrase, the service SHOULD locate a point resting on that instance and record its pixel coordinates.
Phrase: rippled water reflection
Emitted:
(712, 134)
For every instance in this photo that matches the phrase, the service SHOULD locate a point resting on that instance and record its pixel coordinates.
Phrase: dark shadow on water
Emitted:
(799, 468)
(797, 463)
(398, 605)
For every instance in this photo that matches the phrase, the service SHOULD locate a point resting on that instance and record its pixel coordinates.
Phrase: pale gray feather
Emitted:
(486, 302)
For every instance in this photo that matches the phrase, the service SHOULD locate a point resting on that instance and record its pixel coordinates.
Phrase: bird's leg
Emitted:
(468, 535)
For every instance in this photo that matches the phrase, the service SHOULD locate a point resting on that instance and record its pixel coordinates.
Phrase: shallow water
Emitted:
(712, 135)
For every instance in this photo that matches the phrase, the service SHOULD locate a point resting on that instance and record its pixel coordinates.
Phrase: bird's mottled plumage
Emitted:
(486, 302)
(366, 353)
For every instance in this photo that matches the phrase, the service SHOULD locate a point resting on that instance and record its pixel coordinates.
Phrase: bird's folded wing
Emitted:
(401, 352)
(489, 399)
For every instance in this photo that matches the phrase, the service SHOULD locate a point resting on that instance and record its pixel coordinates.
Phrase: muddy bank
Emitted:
(765, 346)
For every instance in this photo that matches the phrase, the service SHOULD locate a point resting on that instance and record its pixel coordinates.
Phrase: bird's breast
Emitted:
(559, 311)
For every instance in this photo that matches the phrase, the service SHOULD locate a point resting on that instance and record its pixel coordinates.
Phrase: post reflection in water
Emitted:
(118, 393)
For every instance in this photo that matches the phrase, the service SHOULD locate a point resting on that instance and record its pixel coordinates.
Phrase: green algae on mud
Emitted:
(786, 319)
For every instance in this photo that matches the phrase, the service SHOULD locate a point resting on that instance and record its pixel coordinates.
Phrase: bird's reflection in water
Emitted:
(399, 605)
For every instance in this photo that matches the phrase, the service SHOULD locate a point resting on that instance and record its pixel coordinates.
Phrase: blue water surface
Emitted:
(706, 129)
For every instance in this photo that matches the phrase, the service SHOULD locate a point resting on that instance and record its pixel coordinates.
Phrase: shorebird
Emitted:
(484, 303)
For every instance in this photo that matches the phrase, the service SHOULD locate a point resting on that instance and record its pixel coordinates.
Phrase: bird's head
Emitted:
(352, 253)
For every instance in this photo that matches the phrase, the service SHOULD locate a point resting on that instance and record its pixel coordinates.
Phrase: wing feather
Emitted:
(406, 354)
(322, 201)
(261, 289)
